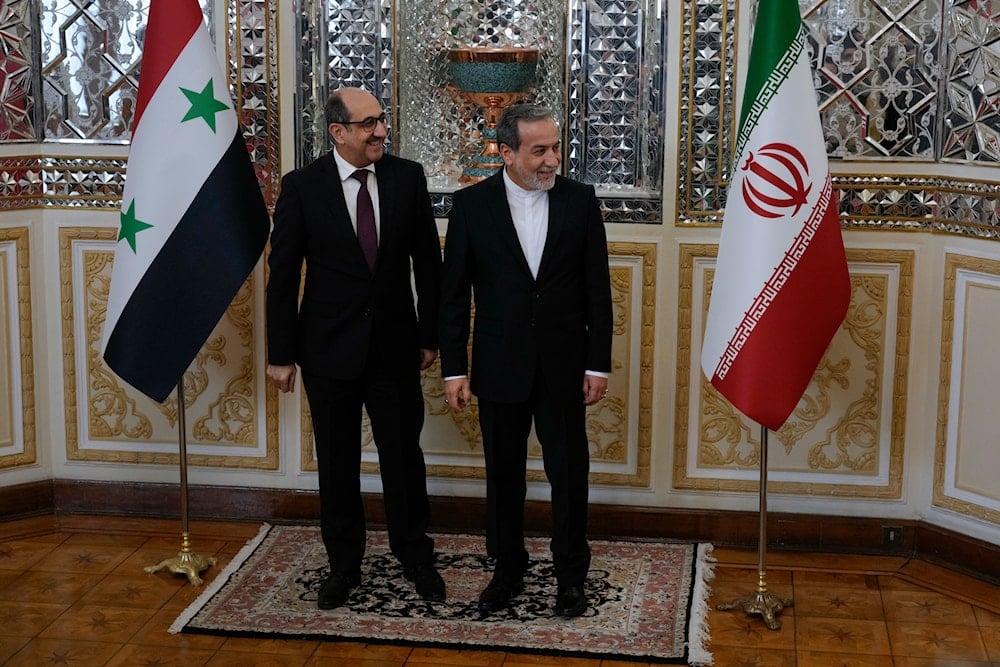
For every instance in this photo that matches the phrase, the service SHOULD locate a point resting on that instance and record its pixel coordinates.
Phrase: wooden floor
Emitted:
(73, 592)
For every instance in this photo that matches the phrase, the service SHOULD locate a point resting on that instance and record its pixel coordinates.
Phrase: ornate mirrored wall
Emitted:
(600, 66)
(71, 70)
(911, 82)
(87, 69)
(903, 82)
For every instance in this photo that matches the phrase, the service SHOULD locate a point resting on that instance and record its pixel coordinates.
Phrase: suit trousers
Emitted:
(560, 426)
(394, 401)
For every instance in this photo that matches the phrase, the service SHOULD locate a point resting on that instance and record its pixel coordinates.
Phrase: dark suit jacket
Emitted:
(343, 302)
(561, 320)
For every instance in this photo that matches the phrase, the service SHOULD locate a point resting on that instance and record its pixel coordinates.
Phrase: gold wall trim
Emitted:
(221, 414)
(24, 384)
(601, 419)
(859, 423)
(953, 264)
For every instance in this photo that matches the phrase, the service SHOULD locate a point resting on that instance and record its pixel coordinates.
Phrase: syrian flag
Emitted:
(193, 220)
(781, 285)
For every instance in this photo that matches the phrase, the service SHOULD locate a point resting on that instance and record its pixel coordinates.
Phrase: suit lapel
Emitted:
(558, 201)
(340, 218)
(503, 222)
(387, 179)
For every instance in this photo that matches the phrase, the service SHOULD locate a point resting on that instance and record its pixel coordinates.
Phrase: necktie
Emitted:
(367, 236)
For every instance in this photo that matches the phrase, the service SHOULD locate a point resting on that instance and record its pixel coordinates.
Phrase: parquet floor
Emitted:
(73, 592)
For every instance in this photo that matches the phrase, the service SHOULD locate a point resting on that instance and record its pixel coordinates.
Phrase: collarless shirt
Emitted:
(351, 188)
(529, 209)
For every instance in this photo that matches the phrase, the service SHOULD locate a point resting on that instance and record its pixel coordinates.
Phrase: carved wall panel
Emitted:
(845, 437)
(108, 421)
(17, 378)
(619, 426)
(965, 460)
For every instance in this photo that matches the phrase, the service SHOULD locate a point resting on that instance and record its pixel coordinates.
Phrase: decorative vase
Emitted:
(493, 78)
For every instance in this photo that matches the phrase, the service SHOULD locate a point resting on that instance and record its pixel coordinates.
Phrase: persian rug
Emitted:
(648, 600)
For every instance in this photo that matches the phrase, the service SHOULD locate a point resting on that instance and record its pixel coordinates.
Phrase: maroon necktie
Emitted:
(367, 236)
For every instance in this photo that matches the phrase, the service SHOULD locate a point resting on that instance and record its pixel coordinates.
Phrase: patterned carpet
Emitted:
(647, 599)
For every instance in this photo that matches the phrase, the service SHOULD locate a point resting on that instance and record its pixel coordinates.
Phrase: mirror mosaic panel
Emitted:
(901, 82)
(600, 66)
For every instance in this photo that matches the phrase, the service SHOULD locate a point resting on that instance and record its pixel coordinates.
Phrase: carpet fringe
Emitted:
(700, 632)
(213, 587)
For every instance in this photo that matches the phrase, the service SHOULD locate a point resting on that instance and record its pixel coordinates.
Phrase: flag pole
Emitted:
(761, 601)
(187, 561)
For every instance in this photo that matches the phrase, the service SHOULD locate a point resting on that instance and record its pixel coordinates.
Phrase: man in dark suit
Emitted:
(531, 245)
(358, 218)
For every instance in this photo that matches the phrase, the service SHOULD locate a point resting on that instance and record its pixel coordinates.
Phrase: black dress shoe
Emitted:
(499, 591)
(336, 589)
(571, 601)
(427, 581)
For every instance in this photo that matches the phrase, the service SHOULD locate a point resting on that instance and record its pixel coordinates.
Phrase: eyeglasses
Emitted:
(368, 124)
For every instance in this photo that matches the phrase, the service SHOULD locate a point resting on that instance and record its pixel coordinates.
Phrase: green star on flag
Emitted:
(203, 105)
(200, 194)
(131, 226)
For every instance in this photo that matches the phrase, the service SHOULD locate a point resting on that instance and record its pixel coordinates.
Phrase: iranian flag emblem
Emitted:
(781, 286)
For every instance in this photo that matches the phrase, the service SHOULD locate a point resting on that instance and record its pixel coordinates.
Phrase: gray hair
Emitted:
(507, 126)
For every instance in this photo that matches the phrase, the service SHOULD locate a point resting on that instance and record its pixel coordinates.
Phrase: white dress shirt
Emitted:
(352, 187)
(530, 211)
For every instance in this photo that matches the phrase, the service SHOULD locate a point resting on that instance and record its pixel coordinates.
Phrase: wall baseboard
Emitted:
(793, 532)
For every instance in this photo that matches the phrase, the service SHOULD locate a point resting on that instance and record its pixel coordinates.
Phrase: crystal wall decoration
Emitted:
(17, 99)
(707, 102)
(343, 43)
(972, 121)
(900, 81)
(877, 67)
(97, 182)
(912, 82)
(90, 55)
(438, 127)
(253, 70)
(621, 119)
(600, 69)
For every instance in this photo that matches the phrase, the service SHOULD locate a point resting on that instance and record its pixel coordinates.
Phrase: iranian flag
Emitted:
(193, 220)
(781, 286)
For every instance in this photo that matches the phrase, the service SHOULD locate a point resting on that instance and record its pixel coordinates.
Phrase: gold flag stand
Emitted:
(186, 562)
(761, 601)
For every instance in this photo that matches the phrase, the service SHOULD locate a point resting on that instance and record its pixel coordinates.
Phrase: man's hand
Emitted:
(282, 376)
(457, 393)
(594, 389)
(427, 358)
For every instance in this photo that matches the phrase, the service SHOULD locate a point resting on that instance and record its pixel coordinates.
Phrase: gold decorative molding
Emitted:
(15, 301)
(607, 423)
(819, 437)
(122, 425)
(953, 264)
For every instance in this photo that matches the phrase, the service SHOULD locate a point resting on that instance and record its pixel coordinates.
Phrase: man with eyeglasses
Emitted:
(359, 219)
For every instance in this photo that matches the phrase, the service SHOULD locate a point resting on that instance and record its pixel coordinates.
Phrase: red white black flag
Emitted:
(193, 221)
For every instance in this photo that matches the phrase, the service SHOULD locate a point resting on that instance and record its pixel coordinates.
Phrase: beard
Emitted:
(537, 181)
